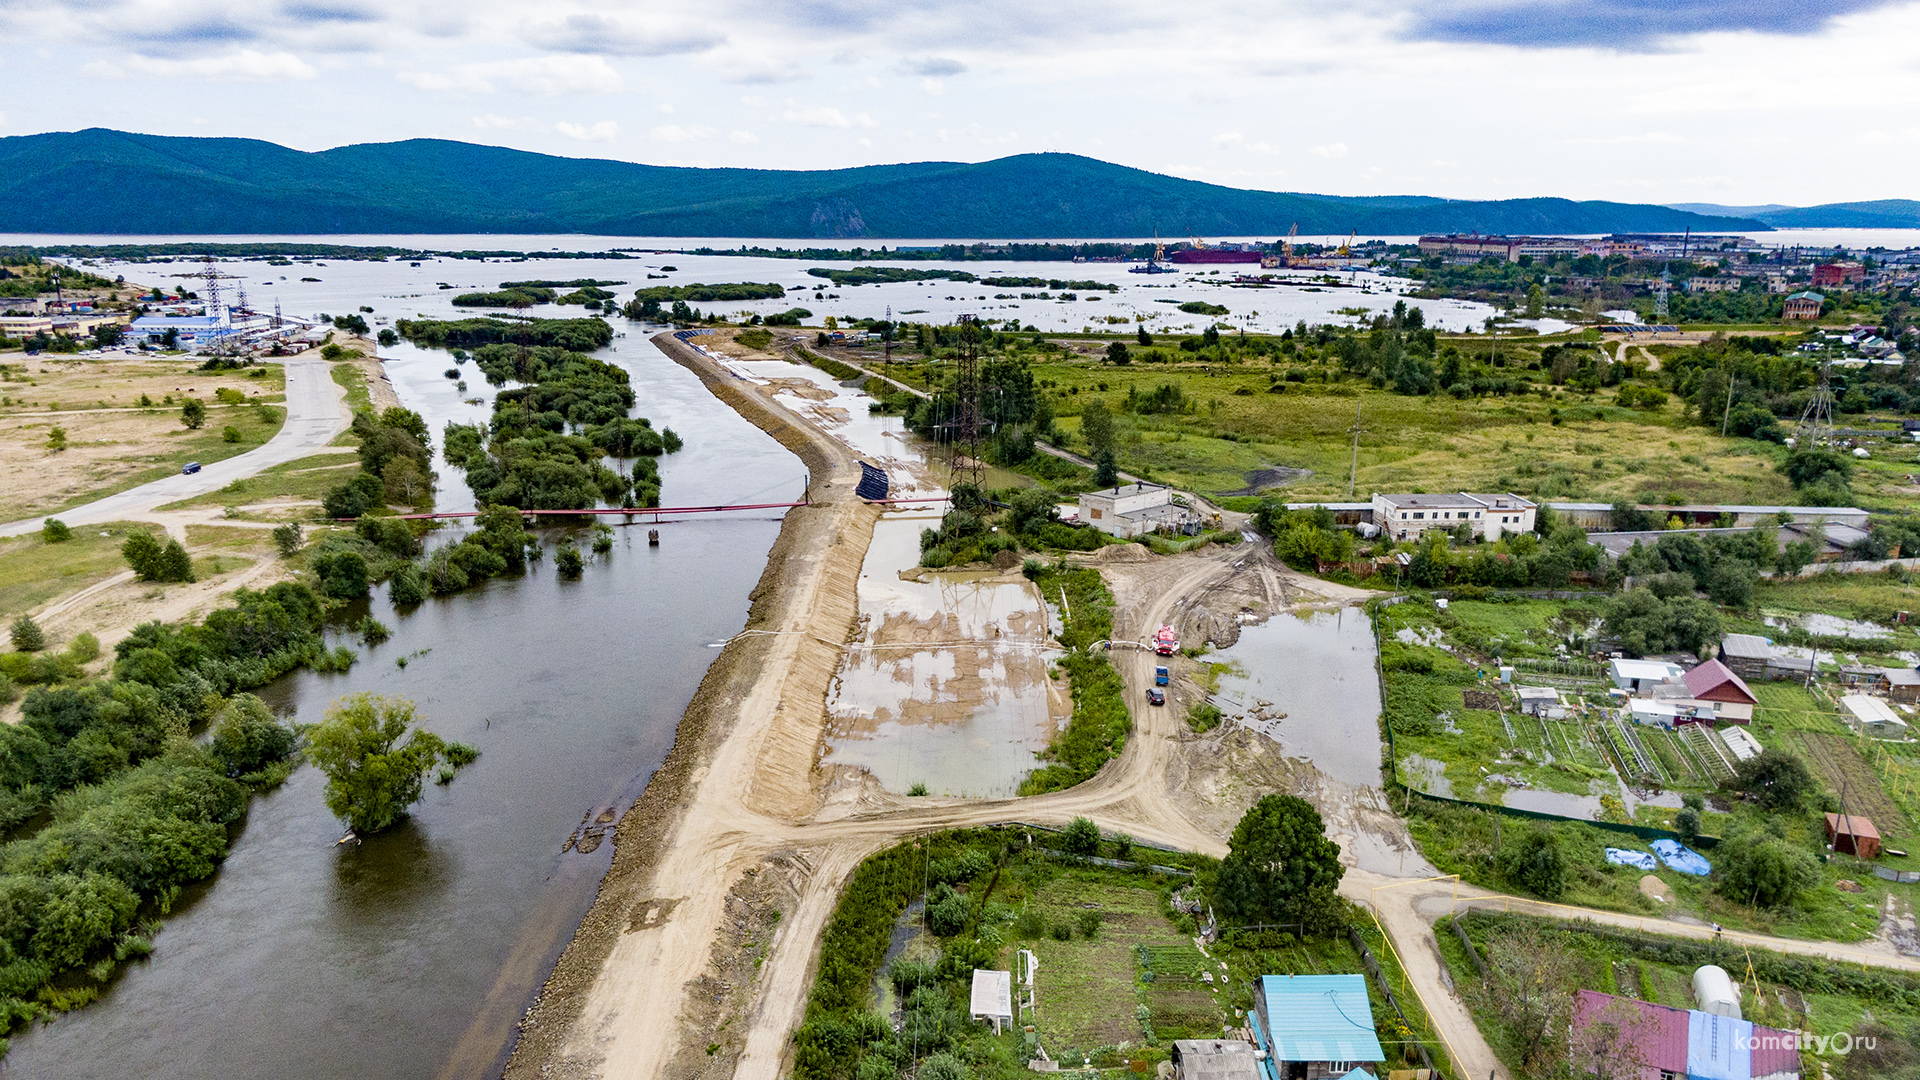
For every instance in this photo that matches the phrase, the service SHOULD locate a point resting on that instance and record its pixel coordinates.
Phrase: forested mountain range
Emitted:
(103, 181)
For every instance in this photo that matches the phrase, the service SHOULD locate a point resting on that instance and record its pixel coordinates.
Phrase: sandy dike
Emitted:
(756, 720)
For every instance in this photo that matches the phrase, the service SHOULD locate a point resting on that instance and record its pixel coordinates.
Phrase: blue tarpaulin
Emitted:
(1623, 857)
(1681, 858)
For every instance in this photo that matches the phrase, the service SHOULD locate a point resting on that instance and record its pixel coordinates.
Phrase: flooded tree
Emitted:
(375, 759)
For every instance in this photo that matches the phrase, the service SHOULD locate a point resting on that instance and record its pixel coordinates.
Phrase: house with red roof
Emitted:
(1733, 700)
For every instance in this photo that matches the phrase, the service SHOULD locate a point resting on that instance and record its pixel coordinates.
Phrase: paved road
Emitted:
(316, 413)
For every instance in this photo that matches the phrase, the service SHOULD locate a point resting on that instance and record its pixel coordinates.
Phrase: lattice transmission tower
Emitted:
(1816, 420)
(967, 465)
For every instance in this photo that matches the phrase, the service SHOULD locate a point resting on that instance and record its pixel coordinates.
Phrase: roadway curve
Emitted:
(316, 414)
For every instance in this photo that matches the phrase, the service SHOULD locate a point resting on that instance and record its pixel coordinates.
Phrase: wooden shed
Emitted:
(1851, 834)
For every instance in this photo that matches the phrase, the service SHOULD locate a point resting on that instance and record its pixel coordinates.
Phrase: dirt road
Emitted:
(680, 970)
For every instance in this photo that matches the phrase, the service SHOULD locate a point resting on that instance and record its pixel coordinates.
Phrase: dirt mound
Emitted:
(1122, 553)
(1259, 480)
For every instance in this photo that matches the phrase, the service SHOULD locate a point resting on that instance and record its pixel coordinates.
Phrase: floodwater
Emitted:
(398, 290)
(947, 685)
(416, 953)
(1315, 673)
(1830, 625)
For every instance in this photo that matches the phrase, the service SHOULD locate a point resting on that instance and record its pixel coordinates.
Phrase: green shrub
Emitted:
(55, 531)
(1081, 838)
(27, 635)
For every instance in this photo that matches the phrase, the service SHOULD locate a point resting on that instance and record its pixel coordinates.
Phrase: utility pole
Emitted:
(967, 390)
(1729, 409)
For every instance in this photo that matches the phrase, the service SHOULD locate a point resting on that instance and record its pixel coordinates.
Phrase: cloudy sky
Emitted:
(1732, 101)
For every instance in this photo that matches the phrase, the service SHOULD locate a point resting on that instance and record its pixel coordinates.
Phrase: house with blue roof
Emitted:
(1313, 1027)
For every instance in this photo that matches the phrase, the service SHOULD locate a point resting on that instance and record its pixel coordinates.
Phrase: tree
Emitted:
(175, 564)
(567, 560)
(1527, 981)
(288, 538)
(1096, 426)
(372, 775)
(1533, 859)
(407, 587)
(1809, 465)
(342, 573)
(55, 531)
(1118, 355)
(154, 561)
(27, 635)
(1775, 779)
(1032, 508)
(1106, 471)
(1081, 838)
(193, 413)
(1281, 868)
(247, 737)
(1140, 334)
(56, 440)
(1762, 870)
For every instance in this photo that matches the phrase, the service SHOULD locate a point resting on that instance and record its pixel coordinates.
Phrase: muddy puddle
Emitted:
(1307, 682)
(947, 684)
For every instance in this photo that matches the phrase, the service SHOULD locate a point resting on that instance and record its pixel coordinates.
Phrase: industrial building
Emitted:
(1409, 516)
(1131, 510)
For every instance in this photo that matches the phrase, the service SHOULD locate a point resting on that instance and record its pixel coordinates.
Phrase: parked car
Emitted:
(1156, 696)
(1159, 676)
(190, 468)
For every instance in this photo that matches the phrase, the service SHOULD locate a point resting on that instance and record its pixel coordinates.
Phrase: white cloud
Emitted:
(546, 76)
(604, 131)
(1233, 140)
(822, 117)
(245, 65)
(490, 122)
(599, 34)
(744, 138)
(1330, 150)
(677, 133)
(665, 108)
(932, 87)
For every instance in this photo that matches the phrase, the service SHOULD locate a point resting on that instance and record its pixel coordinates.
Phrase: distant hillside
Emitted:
(1877, 214)
(101, 181)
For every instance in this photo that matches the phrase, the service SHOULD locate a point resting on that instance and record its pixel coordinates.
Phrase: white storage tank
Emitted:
(1714, 992)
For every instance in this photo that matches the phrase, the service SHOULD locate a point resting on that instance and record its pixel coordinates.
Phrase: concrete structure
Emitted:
(1313, 1027)
(1214, 1059)
(1642, 676)
(190, 331)
(1713, 284)
(1872, 716)
(1638, 1040)
(1851, 834)
(1803, 306)
(1836, 275)
(1131, 510)
(992, 997)
(1407, 517)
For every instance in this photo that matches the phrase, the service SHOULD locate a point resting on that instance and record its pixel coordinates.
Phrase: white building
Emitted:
(1406, 517)
(1872, 716)
(992, 998)
(1641, 677)
(1131, 510)
(1670, 712)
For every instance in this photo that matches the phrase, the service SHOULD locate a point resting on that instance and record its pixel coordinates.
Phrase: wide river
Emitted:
(414, 954)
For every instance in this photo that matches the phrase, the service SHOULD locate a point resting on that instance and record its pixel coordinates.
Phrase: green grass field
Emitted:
(306, 479)
(33, 572)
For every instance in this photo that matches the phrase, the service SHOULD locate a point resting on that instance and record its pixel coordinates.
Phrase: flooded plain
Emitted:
(1307, 681)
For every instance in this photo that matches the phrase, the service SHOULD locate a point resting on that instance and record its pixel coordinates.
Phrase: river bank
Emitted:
(615, 997)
